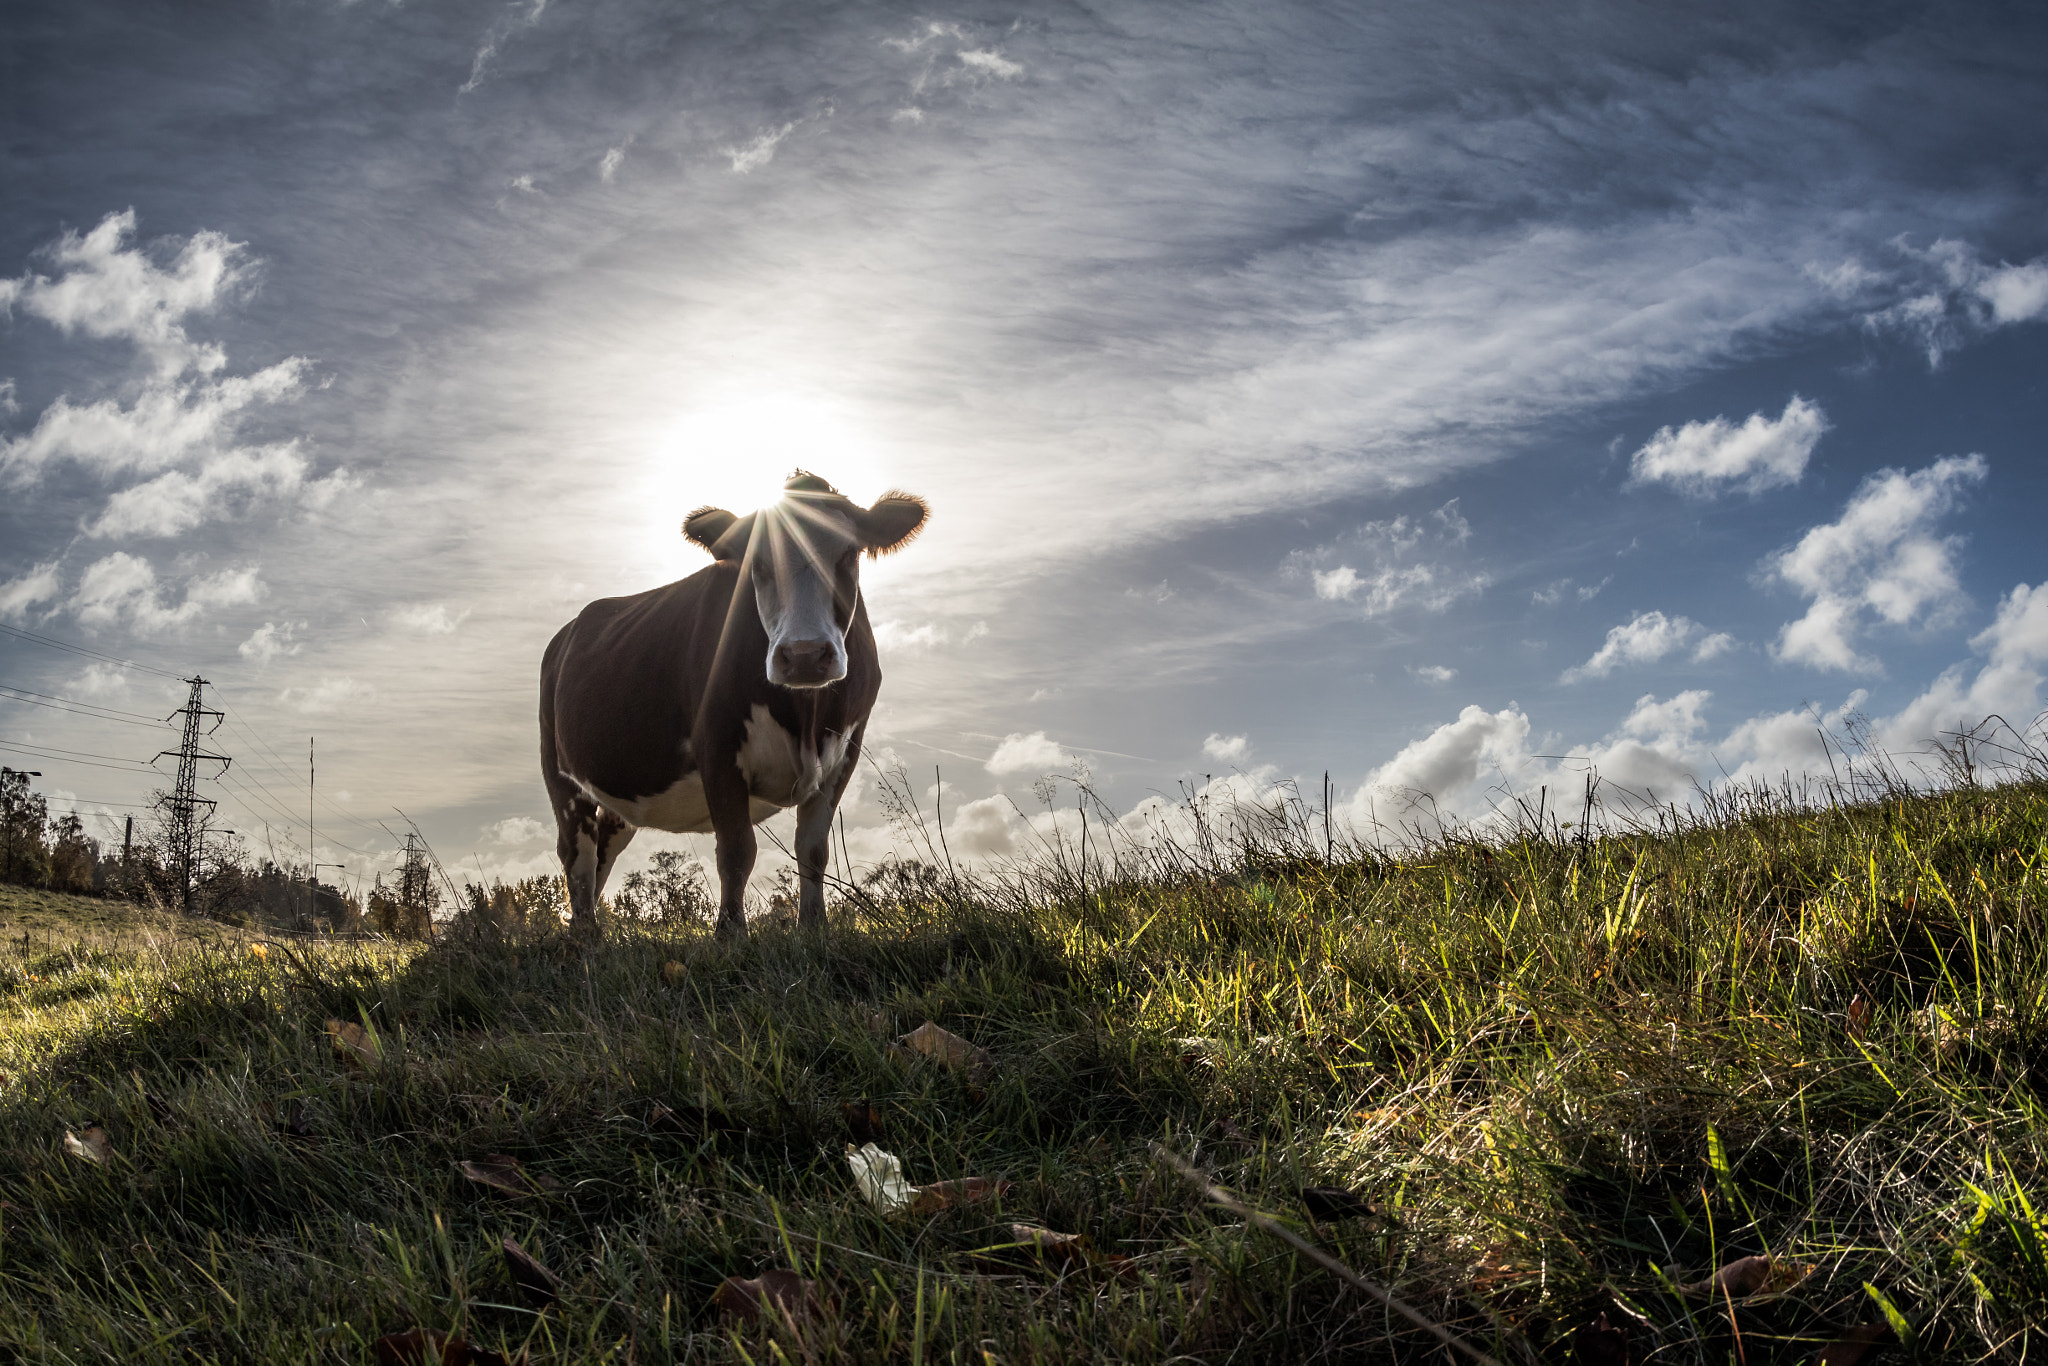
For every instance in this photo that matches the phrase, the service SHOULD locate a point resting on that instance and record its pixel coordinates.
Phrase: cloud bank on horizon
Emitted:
(1451, 400)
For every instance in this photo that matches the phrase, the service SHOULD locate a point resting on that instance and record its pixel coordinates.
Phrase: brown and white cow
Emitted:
(718, 700)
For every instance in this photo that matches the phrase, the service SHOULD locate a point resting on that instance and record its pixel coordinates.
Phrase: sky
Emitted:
(1457, 399)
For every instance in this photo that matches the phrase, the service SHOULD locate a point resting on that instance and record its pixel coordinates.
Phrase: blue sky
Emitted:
(1445, 396)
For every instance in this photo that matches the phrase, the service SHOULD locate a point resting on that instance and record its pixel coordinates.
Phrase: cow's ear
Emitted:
(706, 525)
(892, 523)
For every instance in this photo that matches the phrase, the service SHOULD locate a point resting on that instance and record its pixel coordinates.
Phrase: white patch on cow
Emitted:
(680, 807)
(780, 772)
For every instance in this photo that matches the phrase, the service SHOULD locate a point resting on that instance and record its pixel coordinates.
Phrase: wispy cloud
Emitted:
(1397, 575)
(123, 589)
(1033, 753)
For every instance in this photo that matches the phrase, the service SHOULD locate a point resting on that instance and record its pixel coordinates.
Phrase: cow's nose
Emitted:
(805, 661)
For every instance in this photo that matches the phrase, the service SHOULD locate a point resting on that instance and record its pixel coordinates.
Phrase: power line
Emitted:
(55, 644)
(70, 704)
(80, 757)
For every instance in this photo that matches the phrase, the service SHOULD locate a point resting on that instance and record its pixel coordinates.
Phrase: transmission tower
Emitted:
(183, 825)
(416, 888)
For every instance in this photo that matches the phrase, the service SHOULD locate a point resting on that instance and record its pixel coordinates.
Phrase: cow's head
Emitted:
(802, 557)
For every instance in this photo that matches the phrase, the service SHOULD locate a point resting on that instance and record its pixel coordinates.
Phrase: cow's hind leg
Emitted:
(588, 839)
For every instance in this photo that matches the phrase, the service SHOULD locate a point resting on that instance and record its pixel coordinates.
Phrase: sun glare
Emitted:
(735, 454)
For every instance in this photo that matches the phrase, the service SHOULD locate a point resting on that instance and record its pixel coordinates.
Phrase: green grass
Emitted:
(1574, 1076)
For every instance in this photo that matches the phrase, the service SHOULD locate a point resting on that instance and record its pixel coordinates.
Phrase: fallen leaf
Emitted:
(1601, 1343)
(1335, 1202)
(965, 1190)
(259, 951)
(673, 972)
(1067, 1252)
(880, 1176)
(944, 1046)
(507, 1174)
(1859, 1017)
(1854, 1344)
(1749, 1276)
(781, 1295)
(357, 1046)
(536, 1282)
(93, 1145)
(863, 1121)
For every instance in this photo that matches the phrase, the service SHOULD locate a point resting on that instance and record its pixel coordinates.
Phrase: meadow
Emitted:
(1761, 1083)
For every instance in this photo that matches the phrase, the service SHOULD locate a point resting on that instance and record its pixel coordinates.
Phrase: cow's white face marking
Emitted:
(781, 772)
(805, 568)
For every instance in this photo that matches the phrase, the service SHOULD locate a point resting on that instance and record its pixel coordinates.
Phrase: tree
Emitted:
(673, 892)
(24, 813)
(74, 855)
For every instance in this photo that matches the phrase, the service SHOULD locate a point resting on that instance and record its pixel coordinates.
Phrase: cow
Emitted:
(716, 701)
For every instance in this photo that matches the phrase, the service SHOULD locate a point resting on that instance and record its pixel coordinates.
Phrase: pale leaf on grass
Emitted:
(93, 1145)
(357, 1046)
(943, 1046)
(539, 1285)
(880, 1176)
(1760, 1275)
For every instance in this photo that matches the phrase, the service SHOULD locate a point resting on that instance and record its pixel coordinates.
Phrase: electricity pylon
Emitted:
(181, 805)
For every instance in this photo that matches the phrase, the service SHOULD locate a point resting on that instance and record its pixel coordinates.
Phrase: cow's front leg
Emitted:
(813, 851)
(725, 793)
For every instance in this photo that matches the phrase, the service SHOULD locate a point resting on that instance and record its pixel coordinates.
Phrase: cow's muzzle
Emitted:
(806, 664)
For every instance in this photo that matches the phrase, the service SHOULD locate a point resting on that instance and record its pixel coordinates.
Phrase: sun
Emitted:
(735, 453)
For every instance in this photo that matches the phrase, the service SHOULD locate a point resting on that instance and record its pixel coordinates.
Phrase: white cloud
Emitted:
(269, 641)
(974, 633)
(894, 635)
(991, 63)
(1033, 753)
(516, 830)
(111, 290)
(1646, 638)
(42, 583)
(100, 680)
(985, 828)
(2007, 685)
(429, 618)
(1441, 767)
(1960, 296)
(501, 29)
(166, 423)
(330, 694)
(1879, 559)
(125, 587)
(1433, 673)
(1227, 749)
(1338, 585)
(758, 153)
(1703, 458)
(175, 501)
(613, 159)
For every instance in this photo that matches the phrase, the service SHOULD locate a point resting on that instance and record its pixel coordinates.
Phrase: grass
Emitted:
(1573, 1077)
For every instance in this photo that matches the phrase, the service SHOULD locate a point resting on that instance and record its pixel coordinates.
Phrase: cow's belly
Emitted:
(680, 807)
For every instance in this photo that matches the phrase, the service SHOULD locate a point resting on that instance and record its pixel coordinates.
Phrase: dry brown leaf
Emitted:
(259, 952)
(1854, 1344)
(1601, 1343)
(507, 1174)
(357, 1046)
(539, 1285)
(942, 1045)
(782, 1296)
(673, 972)
(1859, 1017)
(1749, 1276)
(1068, 1251)
(93, 1145)
(965, 1190)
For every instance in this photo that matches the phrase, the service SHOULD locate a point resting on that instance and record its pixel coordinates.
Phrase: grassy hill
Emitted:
(1759, 1089)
